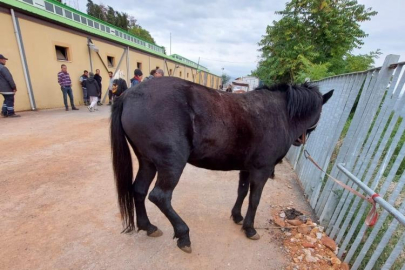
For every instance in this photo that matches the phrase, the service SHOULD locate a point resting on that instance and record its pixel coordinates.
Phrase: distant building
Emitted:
(245, 84)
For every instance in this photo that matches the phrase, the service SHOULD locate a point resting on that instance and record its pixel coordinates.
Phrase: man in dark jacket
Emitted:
(93, 90)
(137, 77)
(7, 89)
(98, 79)
(83, 80)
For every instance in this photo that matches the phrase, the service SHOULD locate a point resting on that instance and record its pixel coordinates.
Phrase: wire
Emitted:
(227, 61)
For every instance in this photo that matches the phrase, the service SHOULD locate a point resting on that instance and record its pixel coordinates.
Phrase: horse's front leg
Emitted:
(243, 189)
(257, 180)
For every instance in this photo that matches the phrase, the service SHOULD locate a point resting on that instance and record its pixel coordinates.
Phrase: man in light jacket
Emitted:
(7, 89)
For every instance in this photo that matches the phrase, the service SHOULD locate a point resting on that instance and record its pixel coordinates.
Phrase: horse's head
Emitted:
(303, 137)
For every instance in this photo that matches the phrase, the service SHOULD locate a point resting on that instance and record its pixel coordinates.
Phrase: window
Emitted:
(68, 14)
(90, 23)
(84, 20)
(139, 65)
(76, 17)
(125, 36)
(187, 74)
(170, 72)
(49, 7)
(110, 61)
(180, 73)
(62, 53)
(29, 2)
(107, 29)
(58, 10)
(96, 25)
(102, 27)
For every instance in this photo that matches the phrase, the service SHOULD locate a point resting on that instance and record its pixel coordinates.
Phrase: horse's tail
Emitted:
(122, 164)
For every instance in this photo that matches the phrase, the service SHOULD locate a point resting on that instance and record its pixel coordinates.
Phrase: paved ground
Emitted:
(58, 205)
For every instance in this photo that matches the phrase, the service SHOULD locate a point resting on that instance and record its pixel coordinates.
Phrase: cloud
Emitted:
(229, 31)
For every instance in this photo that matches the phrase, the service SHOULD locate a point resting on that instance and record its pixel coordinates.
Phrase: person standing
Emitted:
(83, 80)
(7, 89)
(98, 79)
(137, 77)
(93, 90)
(66, 87)
(110, 93)
(151, 75)
(159, 73)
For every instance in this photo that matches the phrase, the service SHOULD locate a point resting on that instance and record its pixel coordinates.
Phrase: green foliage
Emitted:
(119, 19)
(142, 33)
(225, 78)
(314, 37)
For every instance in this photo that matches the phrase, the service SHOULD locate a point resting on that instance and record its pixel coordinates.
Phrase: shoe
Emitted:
(13, 115)
(3, 114)
(99, 103)
(74, 109)
(66, 109)
(109, 103)
(88, 107)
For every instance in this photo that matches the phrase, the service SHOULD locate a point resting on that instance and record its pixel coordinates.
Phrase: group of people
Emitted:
(90, 82)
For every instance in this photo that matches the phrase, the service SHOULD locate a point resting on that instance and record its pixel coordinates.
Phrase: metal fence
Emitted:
(363, 127)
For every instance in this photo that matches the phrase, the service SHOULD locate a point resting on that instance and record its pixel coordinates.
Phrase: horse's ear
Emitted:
(327, 96)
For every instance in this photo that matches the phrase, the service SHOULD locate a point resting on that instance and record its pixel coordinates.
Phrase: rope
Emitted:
(372, 216)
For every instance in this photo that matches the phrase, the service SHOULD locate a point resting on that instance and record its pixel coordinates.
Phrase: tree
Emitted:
(225, 78)
(143, 33)
(119, 19)
(313, 37)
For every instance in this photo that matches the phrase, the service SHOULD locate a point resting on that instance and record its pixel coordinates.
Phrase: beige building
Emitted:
(40, 35)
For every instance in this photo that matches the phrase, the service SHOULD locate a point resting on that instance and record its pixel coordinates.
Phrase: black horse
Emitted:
(170, 122)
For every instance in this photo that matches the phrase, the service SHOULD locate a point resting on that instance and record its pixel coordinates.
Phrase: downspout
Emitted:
(128, 76)
(23, 59)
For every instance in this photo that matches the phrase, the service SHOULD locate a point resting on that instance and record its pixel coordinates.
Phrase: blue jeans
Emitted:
(8, 104)
(85, 96)
(67, 90)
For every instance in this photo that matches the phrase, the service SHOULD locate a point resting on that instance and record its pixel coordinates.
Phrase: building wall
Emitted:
(40, 38)
(9, 48)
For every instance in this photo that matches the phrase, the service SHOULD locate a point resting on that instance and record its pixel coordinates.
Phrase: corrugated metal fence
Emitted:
(363, 127)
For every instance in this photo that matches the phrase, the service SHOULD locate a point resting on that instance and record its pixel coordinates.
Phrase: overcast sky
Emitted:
(224, 33)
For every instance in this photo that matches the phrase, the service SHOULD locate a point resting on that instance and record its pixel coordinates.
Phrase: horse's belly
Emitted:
(218, 164)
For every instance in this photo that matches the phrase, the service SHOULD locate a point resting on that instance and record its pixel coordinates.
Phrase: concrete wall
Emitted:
(9, 48)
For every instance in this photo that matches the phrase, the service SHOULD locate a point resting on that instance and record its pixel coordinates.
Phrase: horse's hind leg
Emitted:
(257, 180)
(243, 189)
(143, 179)
(161, 195)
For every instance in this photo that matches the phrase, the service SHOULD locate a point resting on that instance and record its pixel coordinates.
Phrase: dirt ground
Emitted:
(58, 205)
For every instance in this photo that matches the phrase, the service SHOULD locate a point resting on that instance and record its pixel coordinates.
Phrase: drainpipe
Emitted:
(23, 59)
(128, 74)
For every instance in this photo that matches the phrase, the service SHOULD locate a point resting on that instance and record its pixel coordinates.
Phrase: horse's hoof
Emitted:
(240, 222)
(156, 233)
(186, 249)
(255, 237)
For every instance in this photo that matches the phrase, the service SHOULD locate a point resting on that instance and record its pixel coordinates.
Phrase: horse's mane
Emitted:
(301, 99)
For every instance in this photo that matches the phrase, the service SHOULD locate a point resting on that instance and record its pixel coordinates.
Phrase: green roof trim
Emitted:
(57, 3)
(20, 4)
